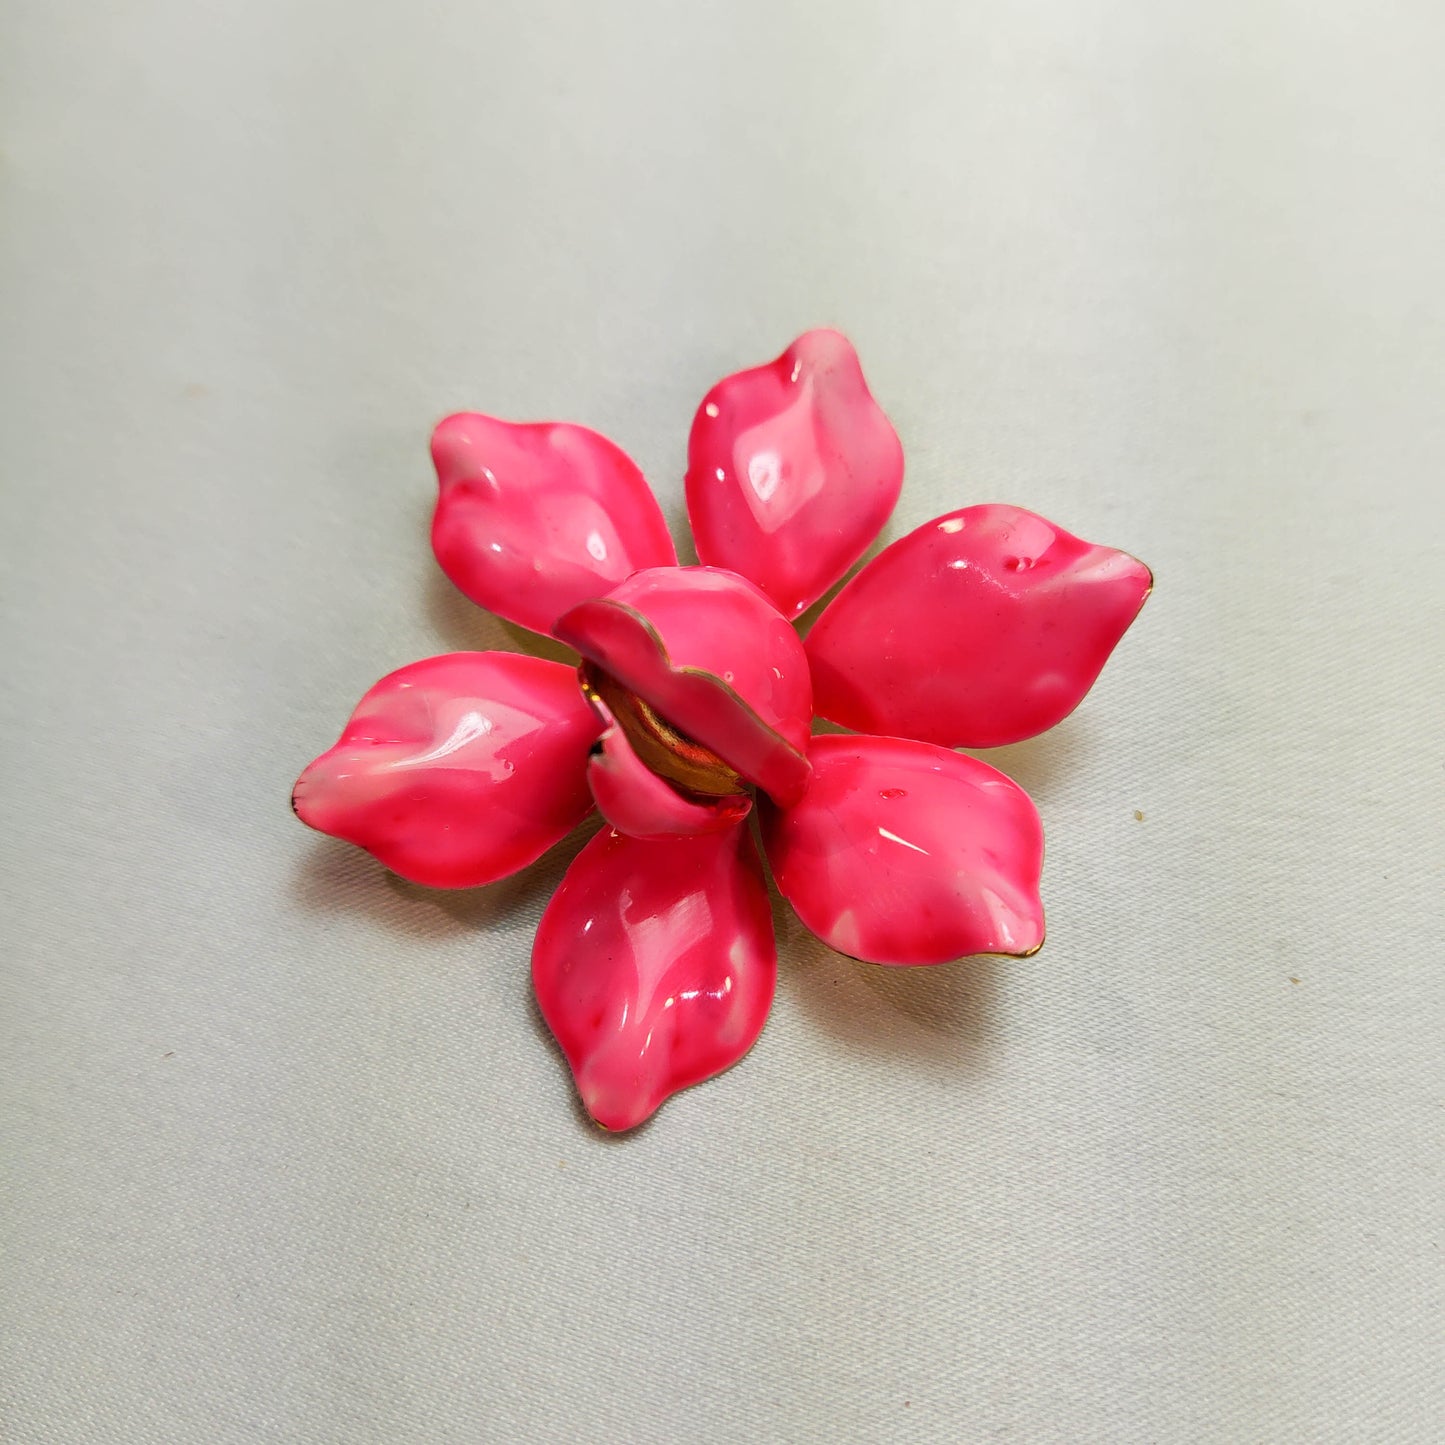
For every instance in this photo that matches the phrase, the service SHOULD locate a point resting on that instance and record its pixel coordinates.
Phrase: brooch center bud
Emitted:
(663, 749)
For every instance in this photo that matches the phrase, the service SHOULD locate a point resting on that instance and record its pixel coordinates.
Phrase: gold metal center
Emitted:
(664, 750)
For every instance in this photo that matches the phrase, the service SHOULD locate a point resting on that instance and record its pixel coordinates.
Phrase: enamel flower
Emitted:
(693, 705)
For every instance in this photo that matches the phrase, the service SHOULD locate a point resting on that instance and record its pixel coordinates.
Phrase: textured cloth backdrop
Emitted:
(287, 1153)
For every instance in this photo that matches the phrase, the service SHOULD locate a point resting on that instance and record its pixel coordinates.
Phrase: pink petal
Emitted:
(981, 628)
(639, 803)
(458, 770)
(534, 518)
(715, 658)
(654, 966)
(903, 852)
(792, 470)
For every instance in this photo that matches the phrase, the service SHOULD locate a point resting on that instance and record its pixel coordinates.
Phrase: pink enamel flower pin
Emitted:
(692, 710)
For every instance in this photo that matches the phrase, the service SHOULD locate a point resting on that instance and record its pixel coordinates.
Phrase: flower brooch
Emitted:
(693, 706)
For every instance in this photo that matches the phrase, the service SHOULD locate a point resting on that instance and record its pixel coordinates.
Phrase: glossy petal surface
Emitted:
(654, 966)
(639, 803)
(458, 770)
(907, 853)
(533, 518)
(708, 650)
(981, 628)
(792, 470)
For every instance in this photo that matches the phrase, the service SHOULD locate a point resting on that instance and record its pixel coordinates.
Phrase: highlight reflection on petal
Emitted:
(902, 852)
(533, 518)
(654, 966)
(458, 770)
(981, 628)
(792, 470)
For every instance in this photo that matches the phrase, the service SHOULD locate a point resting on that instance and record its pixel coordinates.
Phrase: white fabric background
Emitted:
(288, 1155)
